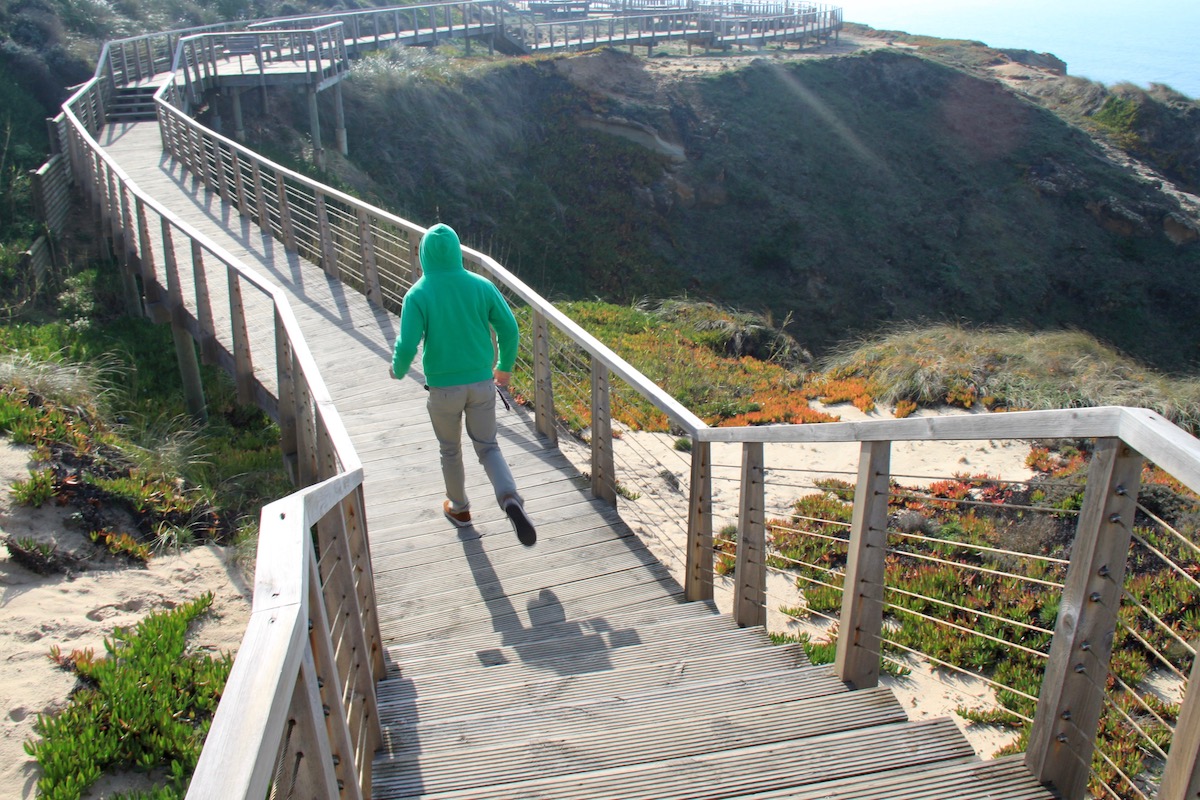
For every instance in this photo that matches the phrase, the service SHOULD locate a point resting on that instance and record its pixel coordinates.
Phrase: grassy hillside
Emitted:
(846, 194)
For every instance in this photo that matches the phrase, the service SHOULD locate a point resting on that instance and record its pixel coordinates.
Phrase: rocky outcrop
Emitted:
(1043, 61)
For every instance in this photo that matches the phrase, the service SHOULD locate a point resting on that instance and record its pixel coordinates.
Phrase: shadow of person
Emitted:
(550, 641)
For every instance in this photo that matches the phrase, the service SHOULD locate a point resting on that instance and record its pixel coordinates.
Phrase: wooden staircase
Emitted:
(133, 104)
(493, 692)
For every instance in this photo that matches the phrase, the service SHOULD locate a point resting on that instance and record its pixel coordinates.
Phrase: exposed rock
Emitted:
(1044, 61)
(1119, 219)
(1180, 230)
(1053, 179)
(639, 134)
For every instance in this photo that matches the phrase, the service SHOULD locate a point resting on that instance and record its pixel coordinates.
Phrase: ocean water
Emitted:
(1111, 41)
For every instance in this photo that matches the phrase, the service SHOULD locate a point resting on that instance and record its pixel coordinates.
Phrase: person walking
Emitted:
(454, 313)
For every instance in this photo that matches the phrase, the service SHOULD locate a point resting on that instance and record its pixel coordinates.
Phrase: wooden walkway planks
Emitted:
(571, 669)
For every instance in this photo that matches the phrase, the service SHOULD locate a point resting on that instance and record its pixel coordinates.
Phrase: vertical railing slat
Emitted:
(1181, 778)
(366, 247)
(543, 384)
(243, 367)
(698, 578)
(604, 478)
(861, 621)
(1063, 734)
(750, 569)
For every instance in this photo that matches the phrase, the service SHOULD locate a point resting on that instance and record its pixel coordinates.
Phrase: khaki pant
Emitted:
(476, 402)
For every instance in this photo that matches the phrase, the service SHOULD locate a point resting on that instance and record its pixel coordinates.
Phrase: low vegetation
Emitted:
(1009, 369)
(733, 368)
(146, 705)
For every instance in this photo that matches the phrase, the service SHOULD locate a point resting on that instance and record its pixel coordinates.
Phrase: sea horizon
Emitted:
(1099, 40)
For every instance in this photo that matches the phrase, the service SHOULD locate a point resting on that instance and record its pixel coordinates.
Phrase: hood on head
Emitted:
(440, 250)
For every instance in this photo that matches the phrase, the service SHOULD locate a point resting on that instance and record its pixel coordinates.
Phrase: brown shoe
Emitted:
(461, 519)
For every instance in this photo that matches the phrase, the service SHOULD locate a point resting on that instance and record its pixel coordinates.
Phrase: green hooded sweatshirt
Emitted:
(454, 312)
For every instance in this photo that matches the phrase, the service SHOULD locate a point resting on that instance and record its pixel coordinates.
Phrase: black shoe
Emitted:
(526, 535)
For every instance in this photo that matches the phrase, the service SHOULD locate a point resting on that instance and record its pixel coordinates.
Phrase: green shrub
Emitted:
(147, 705)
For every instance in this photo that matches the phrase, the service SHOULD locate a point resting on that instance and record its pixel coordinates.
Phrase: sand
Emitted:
(79, 611)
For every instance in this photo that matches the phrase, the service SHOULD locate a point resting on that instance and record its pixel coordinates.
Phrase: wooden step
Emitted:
(504, 760)
(720, 693)
(1005, 778)
(420, 658)
(570, 647)
(584, 598)
(586, 655)
(400, 700)
(740, 772)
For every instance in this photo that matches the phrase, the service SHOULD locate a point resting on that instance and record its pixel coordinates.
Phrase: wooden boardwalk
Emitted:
(572, 669)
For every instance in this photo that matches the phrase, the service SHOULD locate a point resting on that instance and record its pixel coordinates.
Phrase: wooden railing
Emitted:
(294, 663)
(712, 24)
(416, 24)
(273, 705)
(318, 53)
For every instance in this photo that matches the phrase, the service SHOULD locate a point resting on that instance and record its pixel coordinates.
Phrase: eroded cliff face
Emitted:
(845, 192)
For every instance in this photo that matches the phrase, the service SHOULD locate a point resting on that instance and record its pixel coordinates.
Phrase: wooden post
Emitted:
(204, 311)
(206, 174)
(353, 653)
(328, 252)
(698, 580)
(239, 183)
(750, 570)
(289, 443)
(314, 127)
(1181, 779)
(604, 476)
(339, 116)
(260, 198)
(366, 249)
(185, 348)
(862, 590)
(285, 214)
(222, 178)
(354, 512)
(543, 389)
(330, 685)
(239, 125)
(308, 761)
(151, 288)
(306, 447)
(1064, 728)
(243, 367)
(133, 295)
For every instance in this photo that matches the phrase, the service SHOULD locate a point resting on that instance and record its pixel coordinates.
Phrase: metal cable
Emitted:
(1183, 540)
(977, 612)
(981, 503)
(1153, 745)
(980, 547)
(798, 562)
(1151, 649)
(812, 611)
(960, 670)
(1169, 563)
(964, 629)
(973, 568)
(1166, 628)
(829, 537)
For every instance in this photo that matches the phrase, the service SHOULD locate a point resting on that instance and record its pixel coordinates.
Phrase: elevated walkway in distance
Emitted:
(572, 669)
